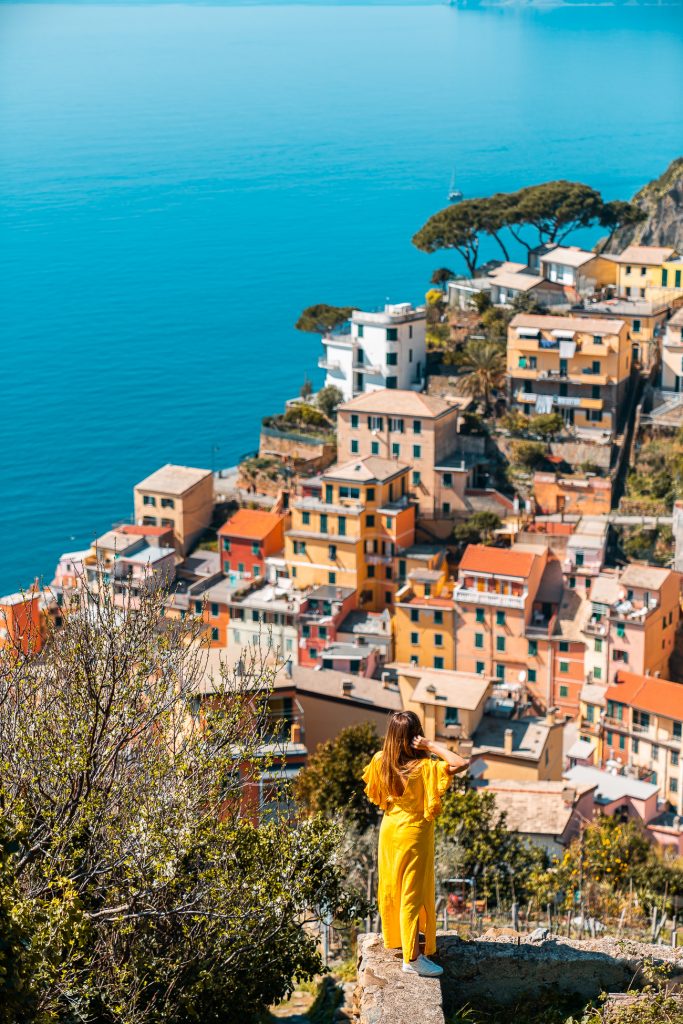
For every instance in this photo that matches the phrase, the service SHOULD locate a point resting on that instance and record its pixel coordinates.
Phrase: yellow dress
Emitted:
(406, 853)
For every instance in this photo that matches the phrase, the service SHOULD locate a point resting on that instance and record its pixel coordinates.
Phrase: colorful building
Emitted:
(321, 614)
(348, 528)
(247, 539)
(420, 431)
(646, 271)
(573, 494)
(179, 497)
(424, 619)
(577, 366)
(21, 622)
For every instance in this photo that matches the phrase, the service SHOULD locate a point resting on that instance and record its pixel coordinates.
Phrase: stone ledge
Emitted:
(495, 970)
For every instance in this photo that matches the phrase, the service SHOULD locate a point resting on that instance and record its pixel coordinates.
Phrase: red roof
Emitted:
(648, 693)
(500, 561)
(250, 524)
(145, 531)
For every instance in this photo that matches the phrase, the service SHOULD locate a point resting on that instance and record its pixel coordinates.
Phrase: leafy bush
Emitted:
(478, 529)
(528, 454)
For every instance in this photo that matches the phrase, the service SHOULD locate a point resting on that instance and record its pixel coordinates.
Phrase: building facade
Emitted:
(178, 497)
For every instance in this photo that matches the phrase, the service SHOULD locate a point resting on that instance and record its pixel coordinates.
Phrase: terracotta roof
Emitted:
(502, 561)
(445, 688)
(397, 403)
(250, 524)
(536, 807)
(649, 255)
(648, 693)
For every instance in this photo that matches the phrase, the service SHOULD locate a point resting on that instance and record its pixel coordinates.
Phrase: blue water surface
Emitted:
(178, 181)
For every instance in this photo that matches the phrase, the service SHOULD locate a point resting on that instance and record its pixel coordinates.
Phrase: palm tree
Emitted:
(483, 363)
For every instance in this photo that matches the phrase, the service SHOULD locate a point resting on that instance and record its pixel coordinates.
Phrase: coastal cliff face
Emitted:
(662, 201)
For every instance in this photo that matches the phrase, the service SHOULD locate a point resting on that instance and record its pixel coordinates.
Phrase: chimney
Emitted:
(296, 733)
(346, 687)
(507, 741)
(465, 748)
(550, 716)
(569, 795)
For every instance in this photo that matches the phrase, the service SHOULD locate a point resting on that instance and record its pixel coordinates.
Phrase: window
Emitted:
(590, 712)
(438, 639)
(564, 646)
(480, 614)
(332, 577)
(595, 366)
(306, 518)
(500, 643)
(198, 607)
(305, 631)
(621, 629)
(500, 672)
(395, 425)
(451, 716)
(417, 451)
(640, 718)
(392, 333)
(416, 477)
(500, 618)
(167, 522)
(598, 646)
(533, 648)
(673, 785)
(354, 420)
(597, 673)
(392, 358)
(226, 567)
(226, 543)
(341, 526)
(678, 730)
(391, 382)
(479, 668)
(446, 508)
(369, 494)
(255, 616)
(655, 752)
(374, 447)
(371, 572)
(438, 662)
(532, 675)
(149, 521)
(332, 552)
(620, 656)
(414, 639)
(148, 500)
(388, 522)
(214, 609)
(636, 326)
(256, 548)
(396, 451)
(674, 759)
(417, 426)
(628, 270)
(564, 691)
(635, 745)
(665, 277)
(293, 570)
(564, 666)
(370, 520)
(214, 634)
(447, 479)
(438, 618)
(572, 582)
(428, 590)
(597, 339)
(402, 568)
(375, 422)
(479, 640)
(414, 615)
(299, 547)
(354, 447)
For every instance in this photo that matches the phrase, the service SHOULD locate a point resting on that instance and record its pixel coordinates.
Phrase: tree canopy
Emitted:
(139, 886)
(331, 781)
(321, 318)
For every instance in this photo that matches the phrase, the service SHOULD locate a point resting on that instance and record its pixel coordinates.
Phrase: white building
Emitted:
(381, 350)
(263, 623)
(672, 354)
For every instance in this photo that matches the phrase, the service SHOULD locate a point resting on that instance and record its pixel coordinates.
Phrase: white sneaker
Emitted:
(423, 966)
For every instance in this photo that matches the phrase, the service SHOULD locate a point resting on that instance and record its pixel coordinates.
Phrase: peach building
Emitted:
(573, 495)
(415, 429)
(424, 619)
(179, 497)
(506, 604)
(348, 527)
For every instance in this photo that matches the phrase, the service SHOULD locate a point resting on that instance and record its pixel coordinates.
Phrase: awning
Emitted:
(528, 332)
(563, 334)
(567, 349)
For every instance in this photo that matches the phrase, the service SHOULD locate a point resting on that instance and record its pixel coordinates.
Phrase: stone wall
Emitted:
(494, 970)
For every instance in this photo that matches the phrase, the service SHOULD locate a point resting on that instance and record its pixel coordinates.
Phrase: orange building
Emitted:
(575, 495)
(247, 539)
(21, 622)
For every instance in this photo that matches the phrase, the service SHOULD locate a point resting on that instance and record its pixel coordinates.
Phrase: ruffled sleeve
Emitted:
(437, 779)
(373, 783)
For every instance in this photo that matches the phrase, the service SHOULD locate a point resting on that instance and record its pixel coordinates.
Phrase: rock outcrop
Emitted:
(662, 201)
(495, 971)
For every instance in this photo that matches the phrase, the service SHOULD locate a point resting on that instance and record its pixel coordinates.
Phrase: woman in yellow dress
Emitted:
(407, 784)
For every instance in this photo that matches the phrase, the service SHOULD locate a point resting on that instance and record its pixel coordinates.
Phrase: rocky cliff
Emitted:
(662, 201)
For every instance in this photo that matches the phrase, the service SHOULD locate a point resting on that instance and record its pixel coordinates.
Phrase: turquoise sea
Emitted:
(178, 181)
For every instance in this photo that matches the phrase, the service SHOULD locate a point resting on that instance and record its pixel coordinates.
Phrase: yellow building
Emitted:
(176, 497)
(424, 619)
(577, 366)
(450, 705)
(348, 529)
(646, 323)
(647, 272)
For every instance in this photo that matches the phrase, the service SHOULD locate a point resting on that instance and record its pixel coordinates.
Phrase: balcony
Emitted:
(540, 625)
(373, 559)
(331, 365)
(526, 398)
(372, 368)
(467, 595)
(595, 628)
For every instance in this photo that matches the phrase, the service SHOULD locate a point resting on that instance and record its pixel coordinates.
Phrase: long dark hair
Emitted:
(399, 756)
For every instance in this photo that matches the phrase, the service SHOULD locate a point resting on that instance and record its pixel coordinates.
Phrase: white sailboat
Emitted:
(454, 194)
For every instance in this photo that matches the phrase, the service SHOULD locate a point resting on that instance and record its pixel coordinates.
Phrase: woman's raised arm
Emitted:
(455, 762)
